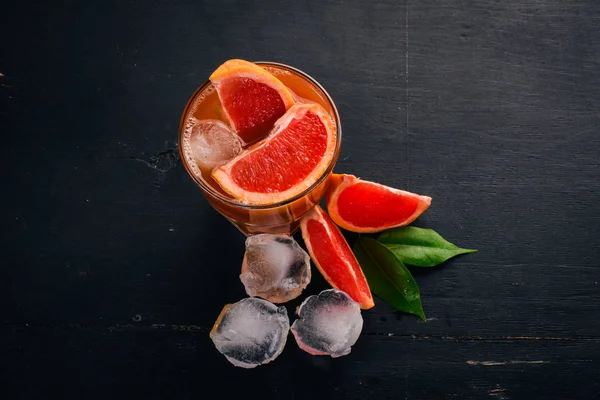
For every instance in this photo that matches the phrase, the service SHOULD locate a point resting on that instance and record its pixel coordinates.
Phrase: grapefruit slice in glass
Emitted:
(251, 97)
(290, 160)
(333, 257)
(363, 206)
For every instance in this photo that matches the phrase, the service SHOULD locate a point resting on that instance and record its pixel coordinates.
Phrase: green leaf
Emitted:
(420, 247)
(388, 278)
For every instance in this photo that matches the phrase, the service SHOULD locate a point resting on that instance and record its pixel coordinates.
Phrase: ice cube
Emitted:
(251, 332)
(328, 323)
(212, 143)
(275, 268)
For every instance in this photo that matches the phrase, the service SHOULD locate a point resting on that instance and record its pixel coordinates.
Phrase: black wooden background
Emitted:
(114, 267)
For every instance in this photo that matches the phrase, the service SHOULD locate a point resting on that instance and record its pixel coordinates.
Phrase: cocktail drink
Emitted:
(260, 140)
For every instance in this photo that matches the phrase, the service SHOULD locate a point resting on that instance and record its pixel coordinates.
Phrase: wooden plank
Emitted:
(158, 361)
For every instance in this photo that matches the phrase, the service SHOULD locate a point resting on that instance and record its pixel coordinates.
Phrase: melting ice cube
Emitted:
(212, 143)
(251, 332)
(275, 268)
(328, 323)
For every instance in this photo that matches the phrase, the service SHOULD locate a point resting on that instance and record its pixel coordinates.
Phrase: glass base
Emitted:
(282, 229)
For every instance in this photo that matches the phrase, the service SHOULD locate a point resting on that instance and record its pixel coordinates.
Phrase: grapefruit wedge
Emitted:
(251, 97)
(334, 258)
(363, 206)
(290, 160)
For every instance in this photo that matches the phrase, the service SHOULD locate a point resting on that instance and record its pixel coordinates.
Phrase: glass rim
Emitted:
(234, 203)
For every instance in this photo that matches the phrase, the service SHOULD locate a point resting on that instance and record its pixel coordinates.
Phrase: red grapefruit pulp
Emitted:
(251, 97)
(333, 257)
(290, 160)
(363, 206)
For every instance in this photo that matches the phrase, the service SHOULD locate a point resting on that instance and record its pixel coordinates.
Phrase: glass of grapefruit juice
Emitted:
(249, 217)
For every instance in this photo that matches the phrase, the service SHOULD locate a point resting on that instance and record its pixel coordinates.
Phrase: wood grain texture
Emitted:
(114, 266)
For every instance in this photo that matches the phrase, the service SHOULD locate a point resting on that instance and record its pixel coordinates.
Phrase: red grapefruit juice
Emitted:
(251, 219)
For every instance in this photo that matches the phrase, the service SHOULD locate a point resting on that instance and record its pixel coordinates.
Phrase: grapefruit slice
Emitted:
(363, 206)
(252, 98)
(290, 160)
(333, 257)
